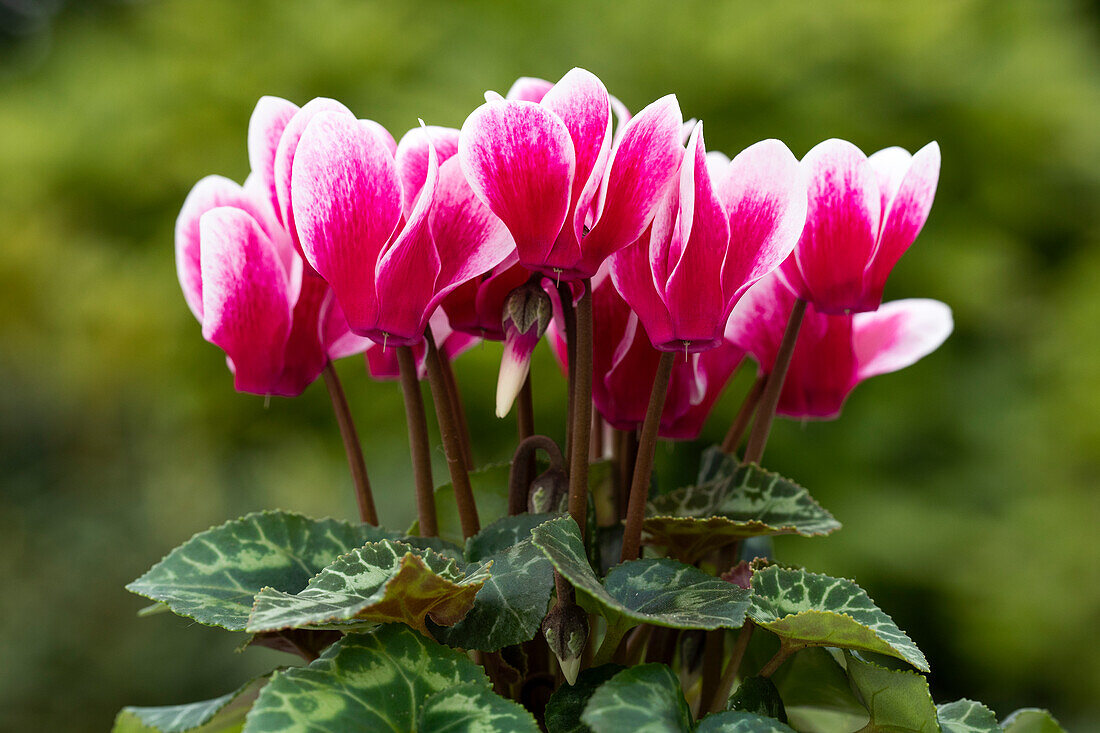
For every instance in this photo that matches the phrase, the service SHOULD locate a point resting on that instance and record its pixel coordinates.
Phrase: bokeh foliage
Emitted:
(967, 484)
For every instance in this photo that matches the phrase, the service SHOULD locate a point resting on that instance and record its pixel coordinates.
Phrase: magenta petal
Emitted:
(764, 192)
(645, 160)
(518, 158)
(382, 134)
(759, 319)
(412, 158)
(529, 89)
(633, 278)
(338, 338)
(898, 334)
(245, 307)
(903, 216)
(304, 354)
(265, 129)
(842, 223)
(823, 369)
(710, 370)
(346, 205)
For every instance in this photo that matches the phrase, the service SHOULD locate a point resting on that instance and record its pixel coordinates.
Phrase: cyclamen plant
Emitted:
(568, 594)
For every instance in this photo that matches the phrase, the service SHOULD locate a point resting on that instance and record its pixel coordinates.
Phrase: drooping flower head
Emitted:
(550, 171)
(864, 213)
(834, 353)
(723, 227)
(382, 362)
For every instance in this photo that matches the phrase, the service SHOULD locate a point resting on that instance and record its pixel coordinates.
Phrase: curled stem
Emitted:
(582, 411)
(643, 468)
(418, 442)
(523, 465)
(354, 451)
(769, 399)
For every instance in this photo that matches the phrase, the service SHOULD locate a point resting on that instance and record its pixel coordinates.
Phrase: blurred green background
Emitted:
(968, 484)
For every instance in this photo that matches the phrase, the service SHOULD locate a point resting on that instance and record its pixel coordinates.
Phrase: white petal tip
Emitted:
(570, 669)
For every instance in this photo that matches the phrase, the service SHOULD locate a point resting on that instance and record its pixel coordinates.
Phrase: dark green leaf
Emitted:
(213, 577)
(209, 716)
(1031, 720)
(474, 708)
(816, 693)
(741, 722)
(563, 711)
(758, 695)
(896, 700)
(966, 716)
(377, 583)
(490, 486)
(644, 699)
(373, 681)
(807, 609)
(502, 534)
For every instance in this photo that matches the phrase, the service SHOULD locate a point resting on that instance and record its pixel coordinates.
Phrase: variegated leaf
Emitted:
(373, 681)
(564, 709)
(1031, 720)
(223, 713)
(502, 534)
(807, 609)
(474, 708)
(741, 722)
(896, 700)
(643, 699)
(377, 583)
(966, 716)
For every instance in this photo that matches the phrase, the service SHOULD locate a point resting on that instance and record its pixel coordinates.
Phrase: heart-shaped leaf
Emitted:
(209, 716)
(564, 709)
(741, 722)
(371, 681)
(758, 695)
(502, 534)
(896, 700)
(816, 693)
(966, 716)
(213, 577)
(474, 708)
(807, 609)
(1031, 720)
(643, 699)
(377, 583)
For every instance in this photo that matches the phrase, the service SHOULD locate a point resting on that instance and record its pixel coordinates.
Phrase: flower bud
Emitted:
(549, 492)
(527, 313)
(566, 631)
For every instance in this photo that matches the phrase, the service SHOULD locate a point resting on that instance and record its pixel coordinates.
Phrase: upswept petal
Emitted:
(624, 362)
(470, 239)
(759, 319)
(842, 223)
(304, 354)
(890, 166)
(633, 278)
(764, 193)
(898, 334)
(903, 218)
(382, 134)
(693, 292)
(644, 161)
(245, 307)
(346, 205)
(529, 89)
(412, 158)
(518, 158)
(265, 129)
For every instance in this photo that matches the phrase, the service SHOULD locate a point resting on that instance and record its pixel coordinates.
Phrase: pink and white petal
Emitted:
(711, 370)
(823, 369)
(265, 129)
(304, 355)
(791, 276)
(518, 158)
(693, 292)
(338, 338)
(379, 131)
(245, 307)
(903, 219)
(469, 238)
(646, 159)
(718, 166)
(529, 89)
(890, 166)
(284, 157)
(347, 201)
(898, 334)
(412, 158)
(842, 222)
(633, 279)
(621, 394)
(759, 319)
(764, 192)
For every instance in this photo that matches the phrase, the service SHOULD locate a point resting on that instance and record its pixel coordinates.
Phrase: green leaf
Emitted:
(209, 716)
(816, 693)
(661, 592)
(807, 609)
(563, 710)
(474, 708)
(738, 502)
(377, 583)
(213, 577)
(643, 699)
(502, 534)
(510, 606)
(966, 716)
(758, 695)
(1031, 720)
(490, 486)
(741, 722)
(896, 700)
(373, 681)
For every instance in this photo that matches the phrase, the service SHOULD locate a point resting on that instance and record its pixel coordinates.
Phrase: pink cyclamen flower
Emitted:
(382, 362)
(476, 306)
(550, 171)
(726, 225)
(864, 213)
(392, 234)
(625, 364)
(834, 353)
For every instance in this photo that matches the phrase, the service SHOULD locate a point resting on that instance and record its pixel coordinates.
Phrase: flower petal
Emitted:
(633, 278)
(382, 134)
(684, 416)
(898, 334)
(412, 158)
(842, 225)
(518, 158)
(338, 338)
(304, 354)
(764, 192)
(245, 307)
(823, 369)
(265, 129)
(346, 198)
(529, 89)
(903, 217)
(645, 160)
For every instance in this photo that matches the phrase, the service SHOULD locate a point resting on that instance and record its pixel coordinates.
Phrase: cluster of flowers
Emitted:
(342, 241)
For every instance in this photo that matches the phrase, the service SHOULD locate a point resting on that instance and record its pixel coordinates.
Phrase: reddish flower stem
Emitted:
(354, 451)
(569, 315)
(459, 410)
(744, 416)
(452, 440)
(582, 411)
(732, 670)
(643, 468)
(418, 442)
(765, 412)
